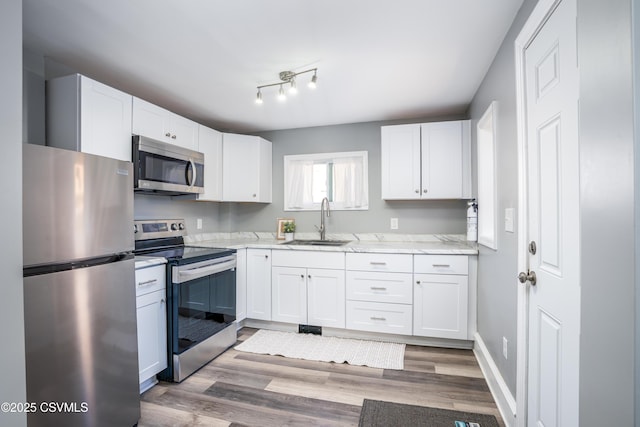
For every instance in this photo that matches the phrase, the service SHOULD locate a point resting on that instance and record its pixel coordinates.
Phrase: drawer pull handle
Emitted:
(378, 318)
(378, 288)
(441, 265)
(378, 263)
(147, 282)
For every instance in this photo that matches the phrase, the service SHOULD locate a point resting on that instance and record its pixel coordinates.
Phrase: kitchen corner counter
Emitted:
(434, 244)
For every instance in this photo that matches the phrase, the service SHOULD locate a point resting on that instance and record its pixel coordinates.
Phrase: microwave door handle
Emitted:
(193, 175)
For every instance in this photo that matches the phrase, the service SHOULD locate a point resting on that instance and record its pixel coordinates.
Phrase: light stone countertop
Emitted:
(435, 244)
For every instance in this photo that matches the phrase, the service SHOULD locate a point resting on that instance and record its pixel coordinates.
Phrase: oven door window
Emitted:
(155, 167)
(205, 307)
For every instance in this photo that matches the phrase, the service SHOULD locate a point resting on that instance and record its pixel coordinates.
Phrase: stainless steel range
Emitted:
(201, 295)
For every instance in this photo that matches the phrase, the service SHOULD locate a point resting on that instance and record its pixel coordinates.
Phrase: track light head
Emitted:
(281, 95)
(293, 89)
(313, 82)
(259, 97)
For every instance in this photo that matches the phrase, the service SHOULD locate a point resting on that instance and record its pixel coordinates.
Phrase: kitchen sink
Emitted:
(304, 242)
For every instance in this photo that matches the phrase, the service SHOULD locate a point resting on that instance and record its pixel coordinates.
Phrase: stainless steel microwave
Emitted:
(161, 168)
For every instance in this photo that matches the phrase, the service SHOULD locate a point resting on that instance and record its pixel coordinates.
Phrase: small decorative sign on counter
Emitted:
(286, 228)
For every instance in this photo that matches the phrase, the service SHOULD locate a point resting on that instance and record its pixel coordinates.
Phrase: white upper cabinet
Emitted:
(88, 116)
(210, 143)
(426, 161)
(246, 173)
(157, 123)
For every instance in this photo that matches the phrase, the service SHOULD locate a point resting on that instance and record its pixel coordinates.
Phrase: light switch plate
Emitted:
(508, 220)
(394, 223)
(199, 223)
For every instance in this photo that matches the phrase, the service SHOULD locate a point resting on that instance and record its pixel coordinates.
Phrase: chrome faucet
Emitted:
(323, 229)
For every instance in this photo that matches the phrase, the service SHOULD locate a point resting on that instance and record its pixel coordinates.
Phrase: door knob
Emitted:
(529, 276)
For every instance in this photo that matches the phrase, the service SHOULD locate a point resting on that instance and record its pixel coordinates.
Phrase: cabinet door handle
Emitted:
(417, 191)
(266, 256)
(378, 318)
(441, 265)
(168, 135)
(418, 282)
(147, 282)
(378, 263)
(173, 136)
(424, 191)
(309, 276)
(378, 288)
(162, 301)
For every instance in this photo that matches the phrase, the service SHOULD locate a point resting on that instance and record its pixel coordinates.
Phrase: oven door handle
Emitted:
(180, 275)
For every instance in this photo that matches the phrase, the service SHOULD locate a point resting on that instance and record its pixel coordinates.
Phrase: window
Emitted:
(340, 177)
(487, 199)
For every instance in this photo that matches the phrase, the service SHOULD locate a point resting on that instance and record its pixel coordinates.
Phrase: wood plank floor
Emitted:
(245, 389)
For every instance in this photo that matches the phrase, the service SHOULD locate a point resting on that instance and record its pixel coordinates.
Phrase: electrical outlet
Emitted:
(508, 220)
(505, 346)
(394, 223)
(199, 223)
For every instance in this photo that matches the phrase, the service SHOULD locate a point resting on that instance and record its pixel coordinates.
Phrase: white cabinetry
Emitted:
(163, 125)
(152, 323)
(441, 296)
(88, 116)
(210, 143)
(426, 161)
(246, 173)
(379, 292)
(309, 288)
(241, 284)
(259, 284)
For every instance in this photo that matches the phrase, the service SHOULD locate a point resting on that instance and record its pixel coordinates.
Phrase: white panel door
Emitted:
(210, 144)
(289, 295)
(241, 168)
(259, 284)
(326, 297)
(241, 284)
(150, 120)
(553, 224)
(152, 333)
(400, 157)
(184, 132)
(440, 306)
(105, 126)
(442, 160)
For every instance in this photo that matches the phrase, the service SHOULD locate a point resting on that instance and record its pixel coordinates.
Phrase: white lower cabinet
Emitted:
(151, 308)
(440, 306)
(312, 296)
(241, 284)
(308, 288)
(259, 284)
(379, 293)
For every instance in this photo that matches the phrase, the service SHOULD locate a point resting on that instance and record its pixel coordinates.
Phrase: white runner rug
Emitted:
(326, 349)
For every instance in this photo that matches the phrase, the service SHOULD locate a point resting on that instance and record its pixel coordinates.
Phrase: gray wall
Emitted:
(414, 217)
(157, 207)
(607, 213)
(497, 270)
(12, 362)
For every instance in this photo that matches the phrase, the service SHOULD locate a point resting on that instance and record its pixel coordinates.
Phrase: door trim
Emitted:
(540, 14)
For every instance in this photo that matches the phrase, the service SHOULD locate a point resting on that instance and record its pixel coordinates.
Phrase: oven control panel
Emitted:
(158, 228)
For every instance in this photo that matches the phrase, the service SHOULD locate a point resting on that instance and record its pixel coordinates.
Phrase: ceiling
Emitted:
(376, 60)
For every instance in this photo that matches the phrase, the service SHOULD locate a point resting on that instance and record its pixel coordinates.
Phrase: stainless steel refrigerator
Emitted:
(79, 293)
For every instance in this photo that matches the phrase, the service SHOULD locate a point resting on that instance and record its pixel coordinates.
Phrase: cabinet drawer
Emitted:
(308, 259)
(379, 317)
(150, 279)
(441, 264)
(400, 263)
(380, 287)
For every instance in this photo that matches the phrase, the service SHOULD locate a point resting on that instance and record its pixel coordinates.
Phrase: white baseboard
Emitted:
(504, 399)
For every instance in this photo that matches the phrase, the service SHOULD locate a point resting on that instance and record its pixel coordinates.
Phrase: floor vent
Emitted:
(310, 329)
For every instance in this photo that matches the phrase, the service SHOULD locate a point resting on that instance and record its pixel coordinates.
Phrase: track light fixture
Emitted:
(288, 78)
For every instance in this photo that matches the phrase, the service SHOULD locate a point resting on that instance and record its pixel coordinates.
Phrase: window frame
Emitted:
(325, 158)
